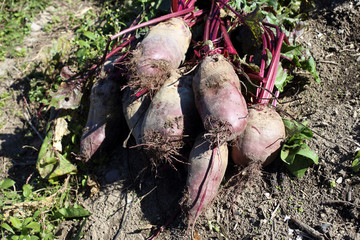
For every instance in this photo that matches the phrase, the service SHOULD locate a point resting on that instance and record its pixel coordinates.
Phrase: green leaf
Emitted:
(306, 152)
(299, 166)
(15, 222)
(6, 183)
(282, 78)
(302, 58)
(297, 131)
(72, 212)
(35, 226)
(7, 227)
(356, 163)
(27, 190)
(295, 152)
(27, 221)
(90, 35)
(83, 43)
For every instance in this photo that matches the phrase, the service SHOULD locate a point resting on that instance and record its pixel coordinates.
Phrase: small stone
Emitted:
(358, 59)
(325, 226)
(35, 27)
(339, 180)
(340, 31)
(267, 195)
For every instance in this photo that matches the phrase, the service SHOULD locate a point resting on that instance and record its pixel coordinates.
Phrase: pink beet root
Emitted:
(206, 171)
(162, 50)
(171, 117)
(134, 109)
(218, 98)
(104, 108)
(262, 138)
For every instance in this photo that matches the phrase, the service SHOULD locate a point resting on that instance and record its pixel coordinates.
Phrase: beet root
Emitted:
(104, 104)
(171, 118)
(134, 109)
(160, 52)
(206, 171)
(262, 138)
(219, 100)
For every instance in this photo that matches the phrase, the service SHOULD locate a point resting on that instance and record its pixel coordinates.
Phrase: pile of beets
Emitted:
(196, 100)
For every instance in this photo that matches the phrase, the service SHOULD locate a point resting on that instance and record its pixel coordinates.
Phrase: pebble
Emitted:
(267, 195)
(35, 27)
(339, 180)
(325, 226)
(358, 59)
(340, 31)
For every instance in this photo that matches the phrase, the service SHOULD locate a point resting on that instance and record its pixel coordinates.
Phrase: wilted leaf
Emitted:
(66, 73)
(253, 21)
(60, 130)
(68, 95)
(93, 184)
(51, 163)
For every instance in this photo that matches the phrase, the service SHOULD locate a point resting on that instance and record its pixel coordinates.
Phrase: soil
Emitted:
(134, 201)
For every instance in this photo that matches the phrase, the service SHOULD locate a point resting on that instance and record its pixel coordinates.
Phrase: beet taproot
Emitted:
(206, 171)
(161, 51)
(218, 99)
(171, 118)
(262, 138)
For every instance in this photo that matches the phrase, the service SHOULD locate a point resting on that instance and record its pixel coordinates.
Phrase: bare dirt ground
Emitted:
(134, 202)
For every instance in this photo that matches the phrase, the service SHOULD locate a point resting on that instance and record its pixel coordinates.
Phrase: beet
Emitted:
(171, 118)
(104, 110)
(161, 51)
(219, 100)
(206, 171)
(134, 109)
(262, 138)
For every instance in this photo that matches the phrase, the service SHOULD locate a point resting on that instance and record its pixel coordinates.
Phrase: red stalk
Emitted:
(145, 24)
(153, 21)
(271, 75)
(174, 6)
(229, 45)
(208, 23)
(215, 28)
